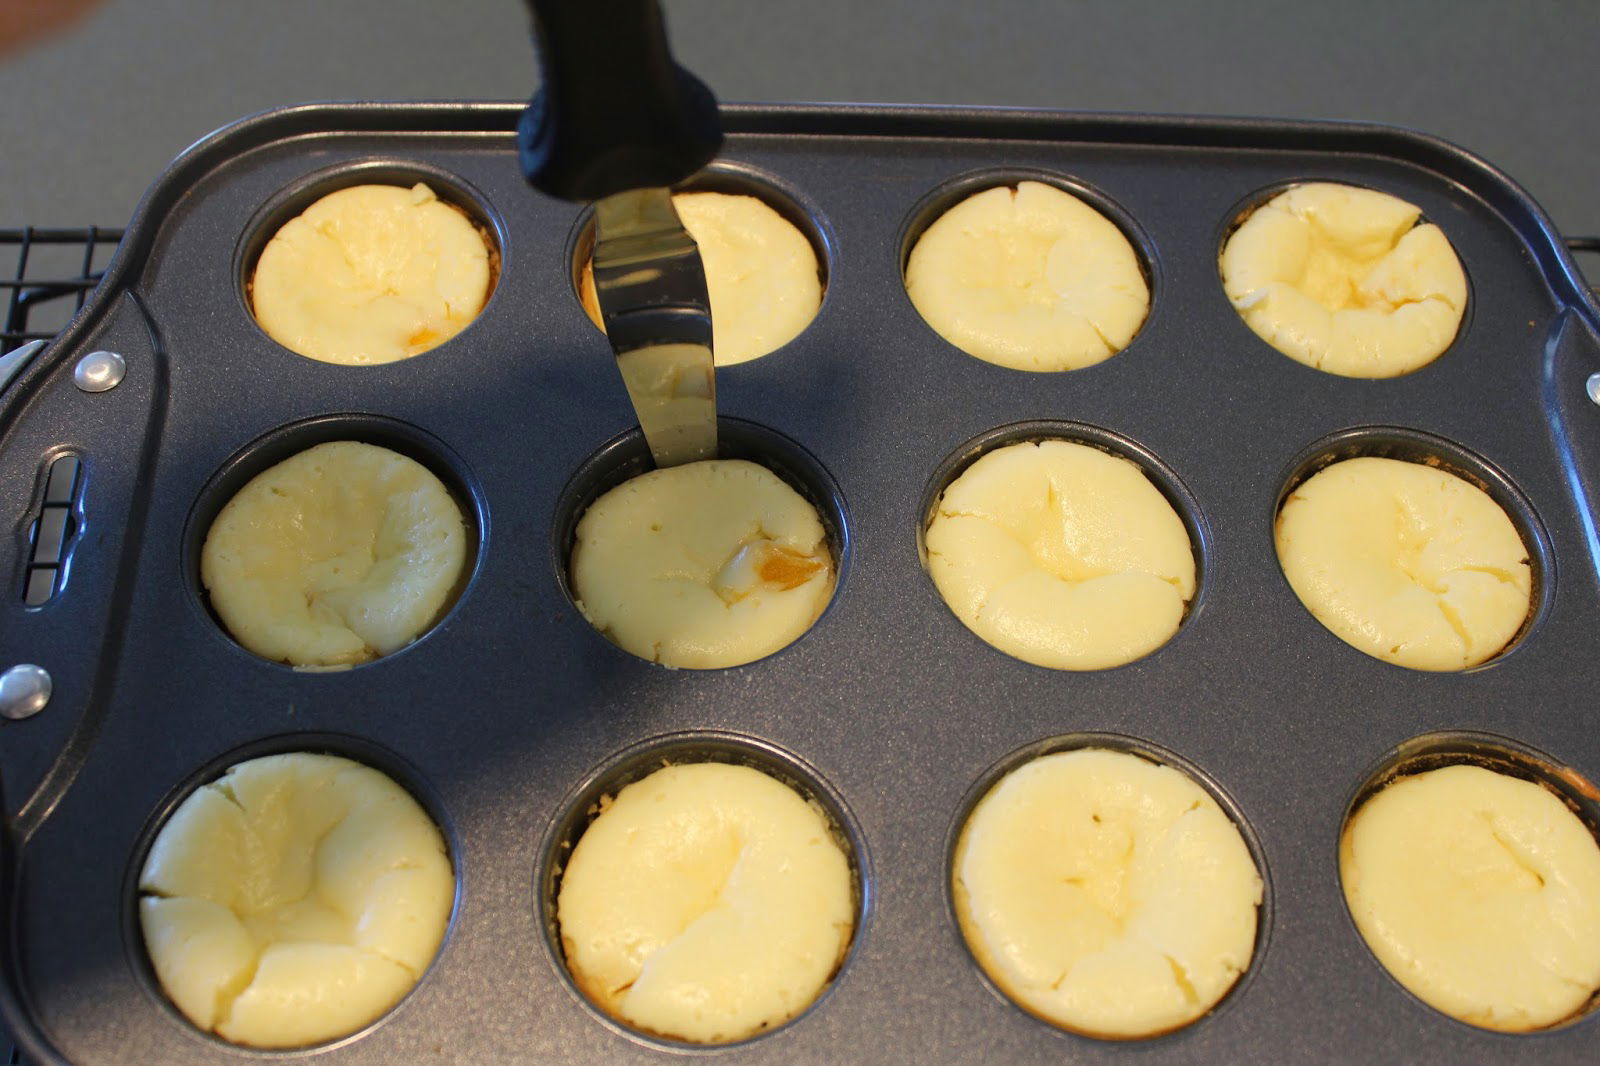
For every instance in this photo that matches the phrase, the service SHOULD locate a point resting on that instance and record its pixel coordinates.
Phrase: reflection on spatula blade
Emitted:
(652, 293)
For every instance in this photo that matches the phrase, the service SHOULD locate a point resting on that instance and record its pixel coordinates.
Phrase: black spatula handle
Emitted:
(615, 111)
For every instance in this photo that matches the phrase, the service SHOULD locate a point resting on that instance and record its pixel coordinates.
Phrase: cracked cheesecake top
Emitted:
(1030, 278)
(1106, 894)
(1346, 280)
(335, 556)
(1061, 555)
(1479, 892)
(708, 902)
(1406, 562)
(294, 900)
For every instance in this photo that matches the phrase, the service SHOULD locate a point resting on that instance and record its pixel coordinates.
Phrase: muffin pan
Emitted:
(511, 709)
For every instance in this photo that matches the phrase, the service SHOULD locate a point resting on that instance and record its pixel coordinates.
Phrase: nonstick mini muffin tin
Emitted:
(512, 716)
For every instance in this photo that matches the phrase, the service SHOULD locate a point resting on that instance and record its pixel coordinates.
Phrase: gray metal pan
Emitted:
(509, 716)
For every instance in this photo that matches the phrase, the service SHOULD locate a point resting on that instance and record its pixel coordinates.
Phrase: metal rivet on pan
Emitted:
(1594, 387)
(24, 690)
(99, 371)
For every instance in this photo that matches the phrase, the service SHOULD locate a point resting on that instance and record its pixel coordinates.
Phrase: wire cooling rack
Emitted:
(46, 276)
(52, 273)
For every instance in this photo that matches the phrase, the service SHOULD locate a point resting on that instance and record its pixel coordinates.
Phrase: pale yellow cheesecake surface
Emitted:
(1061, 555)
(707, 903)
(761, 274)
(335, 556)
(703, 565)
(294, 900)
(1030, 278)
(1479, 892)
(371, 274)
(1106, 894)
(1406, 562)
(1345, 280)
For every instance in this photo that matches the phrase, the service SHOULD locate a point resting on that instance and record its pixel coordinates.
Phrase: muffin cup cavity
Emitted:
(627, 456)
(290, 201)
(582, 804)
(1431, 751)
(1415, 446)
(1251, 202)
(1154, 753)
(286, 441)
(356, 749)
(942, 198)
(730, 179)
(1163, 477)
(1488, 751)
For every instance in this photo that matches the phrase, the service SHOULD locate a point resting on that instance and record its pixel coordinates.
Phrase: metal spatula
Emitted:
(618, 122)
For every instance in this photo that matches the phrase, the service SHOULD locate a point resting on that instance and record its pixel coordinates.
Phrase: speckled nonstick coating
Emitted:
(511, 711)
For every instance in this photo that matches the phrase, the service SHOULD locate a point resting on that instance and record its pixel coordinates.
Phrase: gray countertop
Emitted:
(95, 113)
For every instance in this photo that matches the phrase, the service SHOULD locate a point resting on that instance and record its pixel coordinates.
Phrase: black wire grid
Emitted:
(55, 271)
